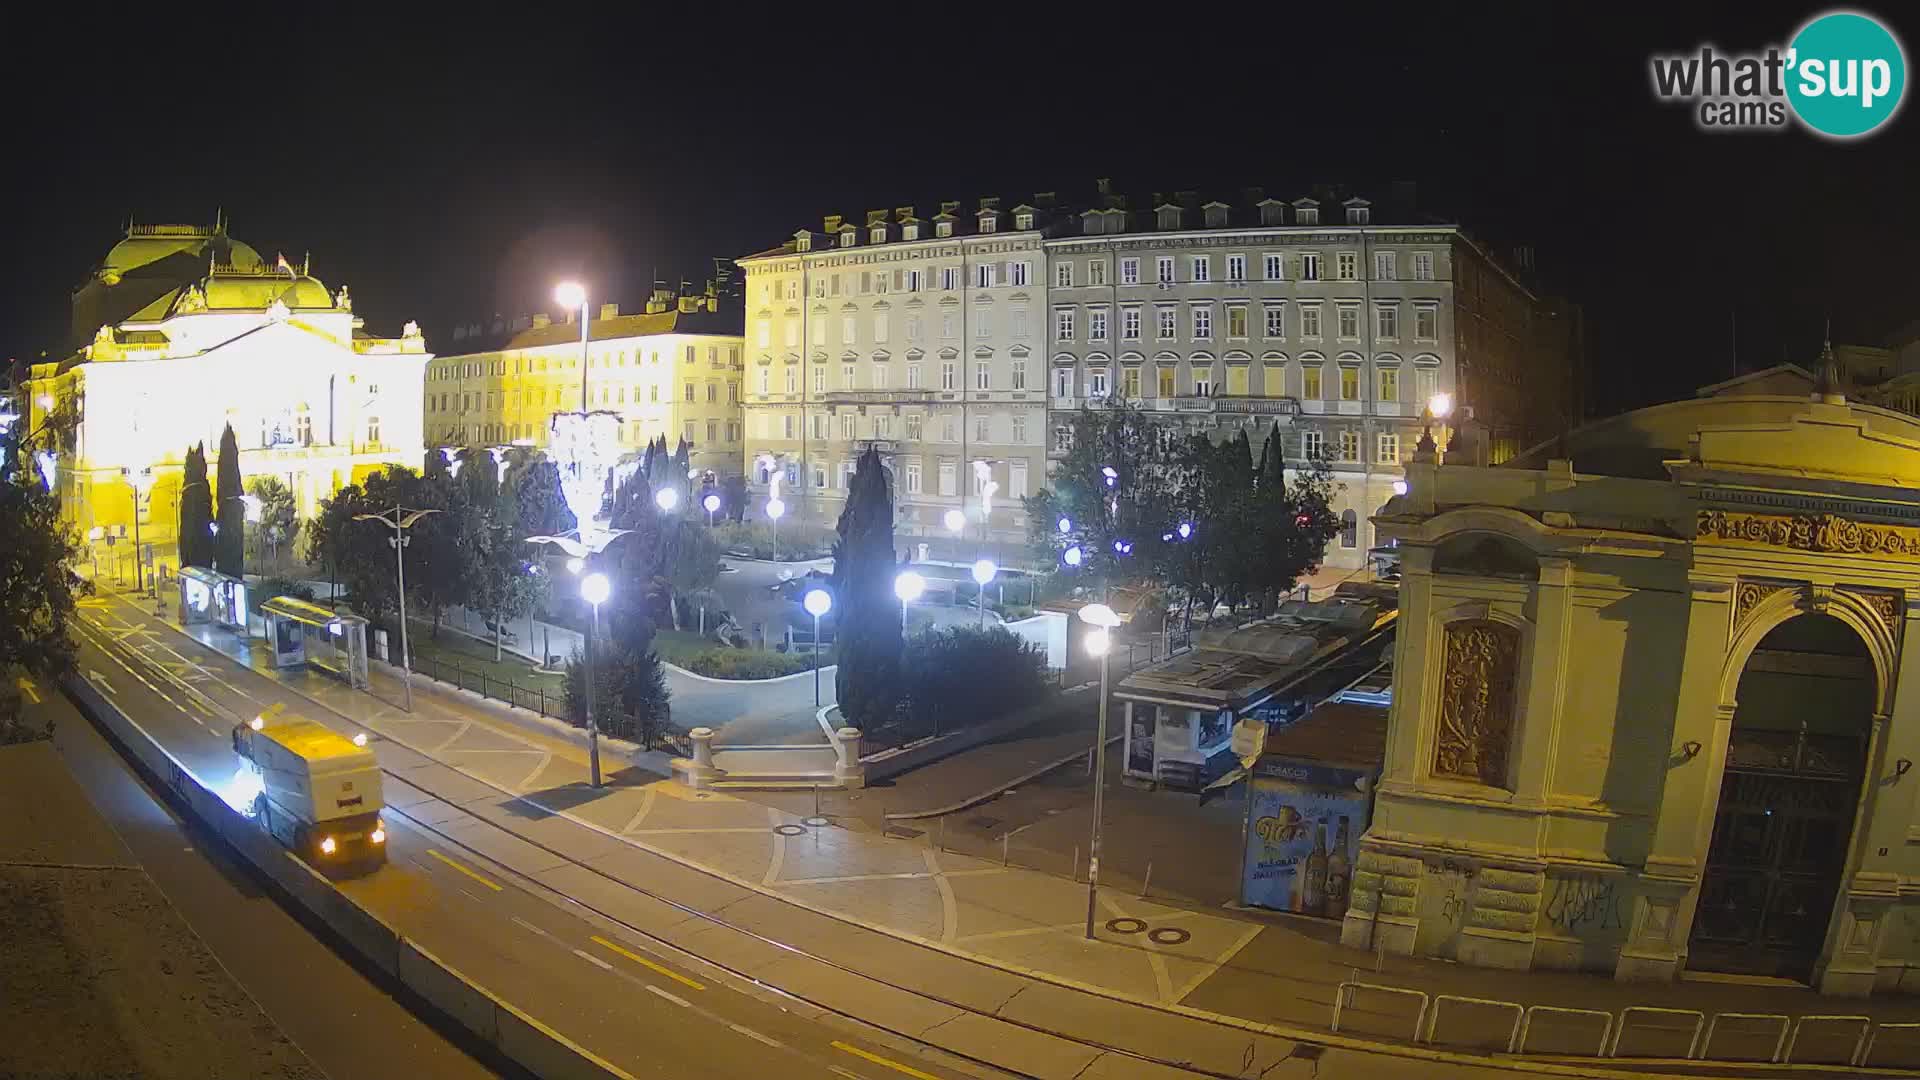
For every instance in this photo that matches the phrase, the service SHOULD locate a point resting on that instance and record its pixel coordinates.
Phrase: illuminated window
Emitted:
(1349, 385)
(1165, 380)
(1389, 383)
(1130, 383)
(1389, 448)
(1349, 445)
(1236, 322)
(1310, 382)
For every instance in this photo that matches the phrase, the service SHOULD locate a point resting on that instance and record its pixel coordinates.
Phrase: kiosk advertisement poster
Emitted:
(1301, 843)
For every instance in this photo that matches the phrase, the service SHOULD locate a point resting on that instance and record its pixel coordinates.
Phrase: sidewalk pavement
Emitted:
(1270, 970)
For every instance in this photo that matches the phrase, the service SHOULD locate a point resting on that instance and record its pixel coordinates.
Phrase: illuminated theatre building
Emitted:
(182, 330)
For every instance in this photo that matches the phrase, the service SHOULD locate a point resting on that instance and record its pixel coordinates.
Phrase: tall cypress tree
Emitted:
(196, 510)
(1273, 464)
(865, 609)
(230, 544)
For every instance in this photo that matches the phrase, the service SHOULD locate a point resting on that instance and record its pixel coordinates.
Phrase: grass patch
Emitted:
(476, 657)
(702, 657)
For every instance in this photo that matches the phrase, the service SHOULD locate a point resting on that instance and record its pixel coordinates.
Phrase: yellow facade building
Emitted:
(673, 369)
(186, 330)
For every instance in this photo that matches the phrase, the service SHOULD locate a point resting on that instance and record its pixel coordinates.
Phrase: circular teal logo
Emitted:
(1847, 74)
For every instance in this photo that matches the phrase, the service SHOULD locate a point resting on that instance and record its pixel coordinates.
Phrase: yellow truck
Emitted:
(319, 790)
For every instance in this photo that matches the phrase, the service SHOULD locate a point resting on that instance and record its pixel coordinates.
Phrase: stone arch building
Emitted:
(1653, 705)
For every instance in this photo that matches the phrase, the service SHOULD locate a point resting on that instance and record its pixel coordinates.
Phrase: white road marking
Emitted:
(848, 1073)
(524, 924)
(757, 1037)
(599, 963)
(100, 681)
(675, 998)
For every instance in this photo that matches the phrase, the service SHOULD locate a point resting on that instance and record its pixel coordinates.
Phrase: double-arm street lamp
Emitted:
(817, 602)
(400, 519)
(594, 589)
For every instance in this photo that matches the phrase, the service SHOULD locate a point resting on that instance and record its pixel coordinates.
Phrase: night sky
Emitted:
(447, 171)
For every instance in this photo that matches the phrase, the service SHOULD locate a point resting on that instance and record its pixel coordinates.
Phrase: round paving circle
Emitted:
(1168, 935)
(1126, 925)
(789, 830)
(816, 821)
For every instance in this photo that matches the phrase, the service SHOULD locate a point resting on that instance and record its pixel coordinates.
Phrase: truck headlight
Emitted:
(379, 834)
(327, 845)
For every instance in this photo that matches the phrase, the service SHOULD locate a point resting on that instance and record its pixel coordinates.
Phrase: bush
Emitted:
(963, 674)
(270, 587)
(758, 541)
(747, 663)
(630, 696)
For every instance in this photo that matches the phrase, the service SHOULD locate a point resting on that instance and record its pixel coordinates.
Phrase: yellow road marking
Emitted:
(27, 688)
(475, 875)
(646, 963)
(878, 1060)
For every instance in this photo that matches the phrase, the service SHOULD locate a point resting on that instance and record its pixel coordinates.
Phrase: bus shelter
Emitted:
(208, 596)
(299, 632)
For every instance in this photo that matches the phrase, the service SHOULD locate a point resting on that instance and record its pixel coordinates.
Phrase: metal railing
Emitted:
(1777, 1038)
(538, 699)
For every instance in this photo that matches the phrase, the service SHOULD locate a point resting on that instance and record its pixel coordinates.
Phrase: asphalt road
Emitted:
(347, 1022)
(580, 974)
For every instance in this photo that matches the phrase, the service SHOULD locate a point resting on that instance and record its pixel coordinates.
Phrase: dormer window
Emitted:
(910, 231)
(943, 228)
(879, 235)
(1216, 215)
(1168, 217)
(989, 223)
(1306, 215)
(1359, 213)
(802, 241)
(849, 237)
(1272, 213)
(1023, 222)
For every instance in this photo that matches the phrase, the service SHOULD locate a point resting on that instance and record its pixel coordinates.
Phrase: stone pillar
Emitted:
(1539, 736)
(847, 768)
(1683, 824)
(698, 771)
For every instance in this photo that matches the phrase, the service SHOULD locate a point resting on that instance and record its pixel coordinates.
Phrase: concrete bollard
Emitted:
(702, 739)
(847, 767)
(698, 772)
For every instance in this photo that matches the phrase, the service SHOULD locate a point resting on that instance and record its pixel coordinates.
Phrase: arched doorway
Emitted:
(1787, 801)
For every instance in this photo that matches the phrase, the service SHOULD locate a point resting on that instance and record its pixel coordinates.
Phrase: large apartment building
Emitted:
(672, 369)
(1331, 315)
(924, 338)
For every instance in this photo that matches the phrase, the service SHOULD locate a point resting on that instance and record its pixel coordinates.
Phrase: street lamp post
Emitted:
(1099, 641)
(594, 589)
(817, 602)
(712, 504)
(399, 541)
(908, 587)
(141, 480)
(983, 572)
(667, 499)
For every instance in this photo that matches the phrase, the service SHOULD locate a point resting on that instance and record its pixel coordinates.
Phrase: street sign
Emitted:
(1249, 740)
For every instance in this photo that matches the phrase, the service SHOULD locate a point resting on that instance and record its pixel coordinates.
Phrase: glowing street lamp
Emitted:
(666, 499)
(1066, 526)
(955, 521)
(1073, 556)
(908, 586)
(712, 505)
(142, 481)
(594, 589)
(1099, 642)
(1112, 478)
(817, 602)
(983, 572)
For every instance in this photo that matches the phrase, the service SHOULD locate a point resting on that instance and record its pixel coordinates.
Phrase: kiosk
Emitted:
(208, 596)
(1308, 800)
(302, 633)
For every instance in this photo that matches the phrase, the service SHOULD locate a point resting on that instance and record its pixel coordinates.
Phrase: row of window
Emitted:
(473, 369)
(631, 432)
(910, 477)
(1093, 272)
(1386, 380)
(1343, 449)
(1386, 322)
(536, 397)
(912, 427)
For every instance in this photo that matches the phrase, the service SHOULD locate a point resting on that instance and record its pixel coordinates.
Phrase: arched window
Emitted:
(1349, 529)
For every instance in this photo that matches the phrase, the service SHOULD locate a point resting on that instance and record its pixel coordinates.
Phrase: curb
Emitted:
(975, 800)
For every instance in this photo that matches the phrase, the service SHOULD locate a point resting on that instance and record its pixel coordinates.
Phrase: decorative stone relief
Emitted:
(1749, 596)
(1476, 701)
(1884, 604)
(1507, 900)
(1810, 532)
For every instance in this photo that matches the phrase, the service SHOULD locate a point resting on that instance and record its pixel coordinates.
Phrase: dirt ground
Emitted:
(99, 976)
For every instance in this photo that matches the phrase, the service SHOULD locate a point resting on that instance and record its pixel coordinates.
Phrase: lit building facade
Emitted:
(1335, 318)
(1648, 714)
(673, 370)
(186, 330)
(920, 337)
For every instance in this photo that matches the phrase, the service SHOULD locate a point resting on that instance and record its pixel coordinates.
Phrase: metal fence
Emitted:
(550, 703)
(1637, 1031)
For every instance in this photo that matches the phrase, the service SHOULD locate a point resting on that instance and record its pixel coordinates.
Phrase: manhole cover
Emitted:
(983, 823)
(901, 832)
(1126, 925)
(789, 830)
(816, 821)
(1168, 935)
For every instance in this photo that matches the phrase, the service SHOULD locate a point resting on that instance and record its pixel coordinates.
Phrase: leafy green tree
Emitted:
(961, 675)
(196, 510)
(279, 516)
(733, 498)
(539, 508)
(230, 542)
(355, 553)
(866, 610)
(1131, 508)
(37, 585)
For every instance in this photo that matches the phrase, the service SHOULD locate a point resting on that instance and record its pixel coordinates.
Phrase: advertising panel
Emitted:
(1301, 845)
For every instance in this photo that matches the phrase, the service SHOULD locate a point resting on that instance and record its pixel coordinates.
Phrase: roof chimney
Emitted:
(1103, 185)
(1044, 200)
(952, 207)
(609, 311)
(832, 224)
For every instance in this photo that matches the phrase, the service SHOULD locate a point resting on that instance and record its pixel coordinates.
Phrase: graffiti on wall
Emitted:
(1585, 904)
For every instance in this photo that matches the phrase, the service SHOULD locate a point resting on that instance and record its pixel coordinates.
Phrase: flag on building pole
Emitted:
(280, 263)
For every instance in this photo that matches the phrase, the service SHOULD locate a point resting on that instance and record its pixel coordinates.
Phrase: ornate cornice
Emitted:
(1810, 532)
